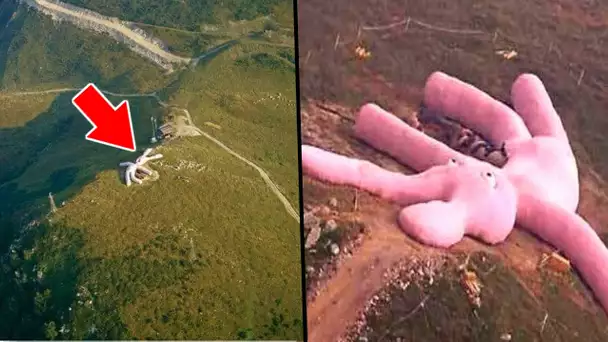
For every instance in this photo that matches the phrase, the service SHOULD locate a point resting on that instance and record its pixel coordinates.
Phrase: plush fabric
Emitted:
(133, 168)
(456, 195)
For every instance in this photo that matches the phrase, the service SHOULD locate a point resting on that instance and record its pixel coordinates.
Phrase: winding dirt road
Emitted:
(358, 278)
(271, 185)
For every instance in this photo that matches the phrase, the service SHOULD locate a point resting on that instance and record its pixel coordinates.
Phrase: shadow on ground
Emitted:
(50, 154)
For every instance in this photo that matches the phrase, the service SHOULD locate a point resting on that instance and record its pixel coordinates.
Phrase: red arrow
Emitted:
(112, 126)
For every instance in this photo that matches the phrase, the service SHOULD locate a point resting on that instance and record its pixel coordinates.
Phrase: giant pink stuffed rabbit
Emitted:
(456, 195)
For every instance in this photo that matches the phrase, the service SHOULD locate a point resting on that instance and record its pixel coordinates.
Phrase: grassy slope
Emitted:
(23, 109)
(184, 43)
(253, 118)
(44, 54)
(40, 54)
(224, 227)
(206, 254)
(186, 14)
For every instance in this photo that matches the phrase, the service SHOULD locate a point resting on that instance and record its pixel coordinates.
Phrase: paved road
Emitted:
(137, 38)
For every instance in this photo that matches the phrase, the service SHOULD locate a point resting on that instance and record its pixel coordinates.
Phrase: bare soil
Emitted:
(561, 41)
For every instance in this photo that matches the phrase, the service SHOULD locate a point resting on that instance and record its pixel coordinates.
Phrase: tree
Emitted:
(50, 330)
(41, 301)
(271, 25)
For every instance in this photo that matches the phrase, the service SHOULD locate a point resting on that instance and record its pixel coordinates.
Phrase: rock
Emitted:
(331, 225)
(309, 269)
(333, 202)
(334, 249)
(310, 220)
(313, 236)
(324, 210)
(362, 339)
(505, 337)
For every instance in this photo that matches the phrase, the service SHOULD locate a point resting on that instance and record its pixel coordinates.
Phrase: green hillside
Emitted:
(188, 14)
(207, 251)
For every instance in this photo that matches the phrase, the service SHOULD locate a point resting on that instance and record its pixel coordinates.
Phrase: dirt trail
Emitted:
(357, 279)
(271, 185)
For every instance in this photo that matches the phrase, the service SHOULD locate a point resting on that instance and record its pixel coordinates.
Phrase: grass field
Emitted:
(205, 252)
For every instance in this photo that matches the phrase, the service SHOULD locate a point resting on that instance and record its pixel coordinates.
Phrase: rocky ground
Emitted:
(473, 298)
(331, 235)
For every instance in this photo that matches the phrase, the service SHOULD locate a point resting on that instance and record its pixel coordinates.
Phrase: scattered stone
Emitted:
(324, 210)
(313, 236)
(333, 202)
(310, 269)
(334, 249)
(505, 337)
(310, 220)
(362, 339)
(331, 225)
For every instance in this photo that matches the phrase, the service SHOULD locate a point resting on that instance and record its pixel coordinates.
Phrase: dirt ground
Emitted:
(561, 41)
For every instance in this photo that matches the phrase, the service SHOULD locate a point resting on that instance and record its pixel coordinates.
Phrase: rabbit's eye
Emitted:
(490, 178)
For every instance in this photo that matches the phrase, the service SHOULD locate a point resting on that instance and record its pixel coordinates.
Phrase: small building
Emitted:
(166, 131)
